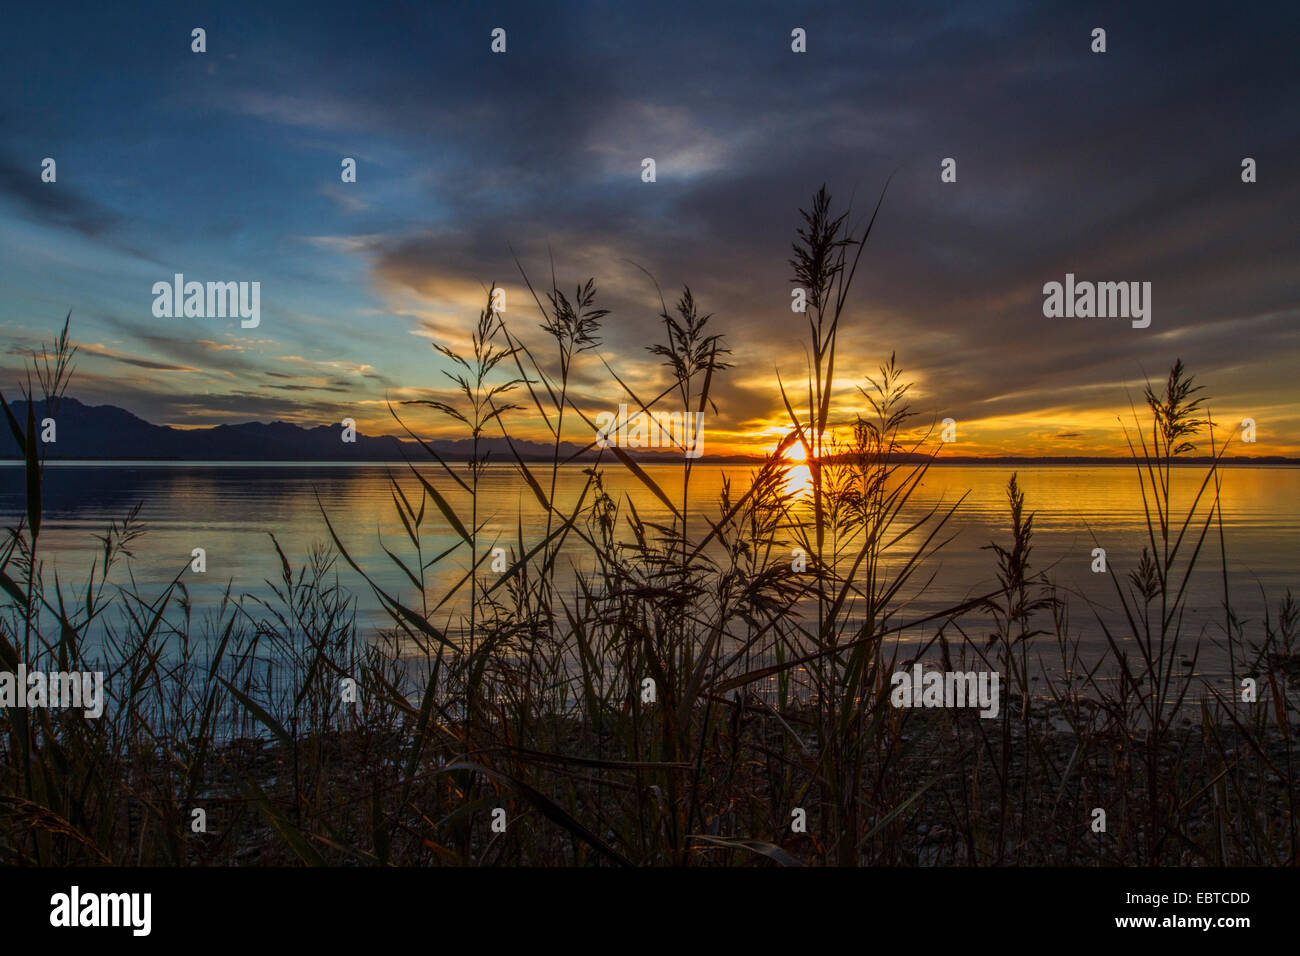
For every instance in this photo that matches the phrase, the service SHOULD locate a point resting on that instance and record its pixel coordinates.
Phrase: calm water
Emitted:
(228, 509)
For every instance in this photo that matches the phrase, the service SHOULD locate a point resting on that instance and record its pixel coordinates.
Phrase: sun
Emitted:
(796, 452)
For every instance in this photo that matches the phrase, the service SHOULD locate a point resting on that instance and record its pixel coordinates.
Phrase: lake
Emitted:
(228, 509)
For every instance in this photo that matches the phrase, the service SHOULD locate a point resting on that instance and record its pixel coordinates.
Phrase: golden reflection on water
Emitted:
(231, 509)
(798, 481)
(798, 477)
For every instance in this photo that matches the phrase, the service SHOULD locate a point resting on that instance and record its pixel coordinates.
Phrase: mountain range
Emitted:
(103, 432)
(106, 432)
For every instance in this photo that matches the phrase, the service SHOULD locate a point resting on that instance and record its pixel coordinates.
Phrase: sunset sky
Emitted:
(225, 166)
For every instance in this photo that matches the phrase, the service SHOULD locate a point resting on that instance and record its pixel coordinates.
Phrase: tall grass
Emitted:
(669, 688)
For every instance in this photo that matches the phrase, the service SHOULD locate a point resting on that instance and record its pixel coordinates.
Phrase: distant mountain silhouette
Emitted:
(108, 432)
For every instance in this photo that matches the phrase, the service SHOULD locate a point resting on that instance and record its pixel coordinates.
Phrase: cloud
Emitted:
(137, 360)
(1123, 167)
(58, 203)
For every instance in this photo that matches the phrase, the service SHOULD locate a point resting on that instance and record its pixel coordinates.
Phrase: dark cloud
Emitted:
(136, 360)
(56, 203)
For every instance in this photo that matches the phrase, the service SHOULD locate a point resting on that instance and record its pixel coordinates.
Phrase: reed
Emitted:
(691, 688)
